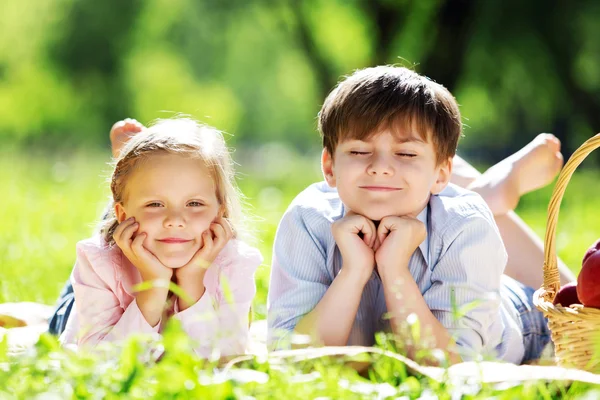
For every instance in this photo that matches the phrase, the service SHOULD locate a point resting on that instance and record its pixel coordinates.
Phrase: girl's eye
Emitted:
(195, 204)
(154, 204)
(359, 153)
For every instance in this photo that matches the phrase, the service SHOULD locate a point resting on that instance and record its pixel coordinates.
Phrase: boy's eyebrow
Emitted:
(410, 139)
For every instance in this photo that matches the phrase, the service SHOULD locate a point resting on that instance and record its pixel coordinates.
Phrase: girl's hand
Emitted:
(150, 267)
(190, 277)
(213, 241)
(121, 132)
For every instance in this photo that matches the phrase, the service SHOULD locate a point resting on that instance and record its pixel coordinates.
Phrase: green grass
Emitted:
(49, 202)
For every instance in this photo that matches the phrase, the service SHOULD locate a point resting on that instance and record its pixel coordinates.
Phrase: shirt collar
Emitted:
(424, 246)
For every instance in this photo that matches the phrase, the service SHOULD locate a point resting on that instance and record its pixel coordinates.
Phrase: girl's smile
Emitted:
(173, 198)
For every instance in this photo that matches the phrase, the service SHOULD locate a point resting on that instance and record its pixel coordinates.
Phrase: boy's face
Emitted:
(173, 198)
(389, 174)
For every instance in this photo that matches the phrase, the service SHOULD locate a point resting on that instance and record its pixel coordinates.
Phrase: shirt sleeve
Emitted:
(465, 291)
(100, 315)
(220, 322)
(299, 275)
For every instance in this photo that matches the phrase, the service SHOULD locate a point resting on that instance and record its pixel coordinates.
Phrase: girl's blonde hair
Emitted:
(185, 137)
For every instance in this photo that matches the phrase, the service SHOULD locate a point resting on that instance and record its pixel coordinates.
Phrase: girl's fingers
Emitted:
(129, 231)
(228, 228)
(125, 230)
(219, 233)
(122, 226)
(207, 240)
(137, 245)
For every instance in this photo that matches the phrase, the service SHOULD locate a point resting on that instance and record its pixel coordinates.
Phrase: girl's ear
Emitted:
(120, 212)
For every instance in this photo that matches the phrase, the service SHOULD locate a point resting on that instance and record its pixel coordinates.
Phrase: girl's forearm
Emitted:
(194, 290)
(151, 303)
(403, 297)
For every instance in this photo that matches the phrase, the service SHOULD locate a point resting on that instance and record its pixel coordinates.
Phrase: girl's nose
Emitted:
(174, 219)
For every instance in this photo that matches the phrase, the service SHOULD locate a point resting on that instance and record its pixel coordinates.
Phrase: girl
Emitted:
(175, 217)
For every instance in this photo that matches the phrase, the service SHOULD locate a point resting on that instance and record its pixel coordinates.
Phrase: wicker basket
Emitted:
(576, 329)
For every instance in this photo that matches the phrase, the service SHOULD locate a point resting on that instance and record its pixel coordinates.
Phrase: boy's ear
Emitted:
(120, 212)
(327, 167)
(444, 173)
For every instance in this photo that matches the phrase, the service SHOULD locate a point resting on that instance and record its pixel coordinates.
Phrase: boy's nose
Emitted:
(380, 165)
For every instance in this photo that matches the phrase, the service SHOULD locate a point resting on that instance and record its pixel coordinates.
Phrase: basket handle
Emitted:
(551, 275)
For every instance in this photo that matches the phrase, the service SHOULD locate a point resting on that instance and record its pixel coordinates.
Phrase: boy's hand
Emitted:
(357, 252)
(399, 238)
(213, 241)
(121, 132)
(150, 267)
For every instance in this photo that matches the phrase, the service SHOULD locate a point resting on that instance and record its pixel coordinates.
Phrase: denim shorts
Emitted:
(63, 309)
(536, 333)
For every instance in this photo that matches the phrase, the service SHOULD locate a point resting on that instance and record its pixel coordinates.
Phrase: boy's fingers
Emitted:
(377, 244)
(382, 231)
(368, 230)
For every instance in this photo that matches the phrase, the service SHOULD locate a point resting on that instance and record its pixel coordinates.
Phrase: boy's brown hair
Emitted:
(374, 99)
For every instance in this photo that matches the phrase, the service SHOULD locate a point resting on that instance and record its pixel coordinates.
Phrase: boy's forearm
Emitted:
(331, 321)
(403, 297)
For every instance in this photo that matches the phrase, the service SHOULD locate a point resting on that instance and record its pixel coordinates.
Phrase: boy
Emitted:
(386, 234)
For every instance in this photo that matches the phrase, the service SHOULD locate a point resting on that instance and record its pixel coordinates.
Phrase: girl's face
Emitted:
(173, 198)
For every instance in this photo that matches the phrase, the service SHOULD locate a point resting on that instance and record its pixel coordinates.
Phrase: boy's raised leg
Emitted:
(526, 252)
(501, 186)
(532, 167)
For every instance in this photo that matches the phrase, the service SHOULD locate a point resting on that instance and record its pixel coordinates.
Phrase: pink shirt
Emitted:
(106, 309)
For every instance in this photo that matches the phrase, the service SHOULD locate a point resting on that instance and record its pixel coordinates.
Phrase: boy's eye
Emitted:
(195, 204)
(409, 155)
(359, 153)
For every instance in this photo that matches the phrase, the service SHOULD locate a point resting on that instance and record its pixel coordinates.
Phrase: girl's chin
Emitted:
(174, 262)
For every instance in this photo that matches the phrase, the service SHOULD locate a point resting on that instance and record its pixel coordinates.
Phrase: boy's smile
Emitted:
(388, 174)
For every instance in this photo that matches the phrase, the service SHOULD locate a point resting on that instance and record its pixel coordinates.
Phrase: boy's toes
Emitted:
(550, 140)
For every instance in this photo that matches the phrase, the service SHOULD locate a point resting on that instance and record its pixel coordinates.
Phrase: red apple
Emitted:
(567, 295)
(593, 248)
(588, 281)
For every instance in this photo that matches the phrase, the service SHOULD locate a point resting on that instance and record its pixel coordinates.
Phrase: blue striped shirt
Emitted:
(458, 267)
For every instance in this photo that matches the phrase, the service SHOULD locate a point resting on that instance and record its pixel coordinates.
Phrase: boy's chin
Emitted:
(377, 215)
(374, 214)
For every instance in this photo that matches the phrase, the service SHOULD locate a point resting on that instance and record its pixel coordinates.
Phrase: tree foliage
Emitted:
(260, 69)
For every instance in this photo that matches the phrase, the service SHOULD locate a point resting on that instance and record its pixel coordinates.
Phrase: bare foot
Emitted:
(532, 167)
(121, 132)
